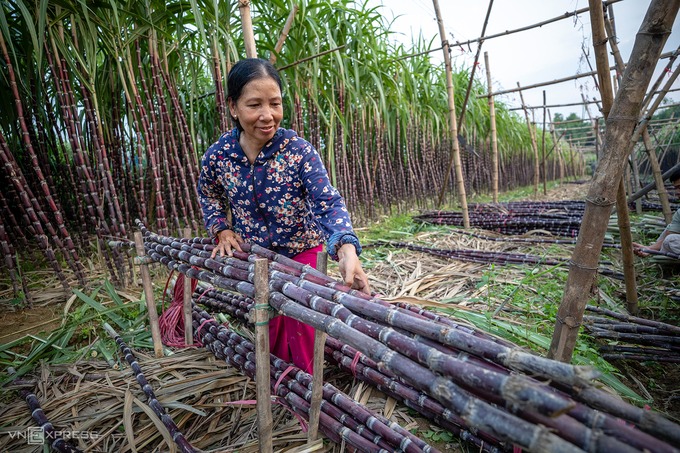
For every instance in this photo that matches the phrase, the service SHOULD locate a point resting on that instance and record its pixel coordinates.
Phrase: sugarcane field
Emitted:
(340, 225)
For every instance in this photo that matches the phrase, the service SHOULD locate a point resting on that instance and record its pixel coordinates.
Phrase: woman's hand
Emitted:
(228, 240)
(351, 270)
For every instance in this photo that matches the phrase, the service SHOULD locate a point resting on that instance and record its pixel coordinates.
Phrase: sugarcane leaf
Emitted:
(127, 420)
(101, 310)
(158, 423)
(111, 291)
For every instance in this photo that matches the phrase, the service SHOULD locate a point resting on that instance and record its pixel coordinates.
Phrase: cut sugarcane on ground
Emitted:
(517, 294)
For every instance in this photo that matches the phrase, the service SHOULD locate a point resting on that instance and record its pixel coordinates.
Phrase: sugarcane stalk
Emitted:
(152, 401)
(239, 352)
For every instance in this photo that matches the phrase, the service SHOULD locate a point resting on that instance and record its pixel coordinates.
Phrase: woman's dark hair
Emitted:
(245, 71)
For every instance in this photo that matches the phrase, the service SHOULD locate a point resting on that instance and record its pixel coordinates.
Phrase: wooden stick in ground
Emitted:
(623, 219)
(317, 378)
(454, 161)
(264, 405)
(247, 26)
(543, 163)
(649, 42)
(533, 145)
(284, 34)
(652, 185)
(461, 120)
(494, 140)
(186, 308)
(148, 296)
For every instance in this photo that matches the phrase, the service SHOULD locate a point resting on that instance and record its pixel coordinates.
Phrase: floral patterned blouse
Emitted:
(284, 201)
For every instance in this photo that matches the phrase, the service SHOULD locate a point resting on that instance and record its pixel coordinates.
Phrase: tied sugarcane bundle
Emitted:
(342, 419)
(633, 338)
(483, 256)
(152, 401)
(226, 302)
(574, 426)
(529, 240)
(470, 391)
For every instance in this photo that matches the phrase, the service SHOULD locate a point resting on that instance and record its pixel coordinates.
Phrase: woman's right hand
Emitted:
(228, 240)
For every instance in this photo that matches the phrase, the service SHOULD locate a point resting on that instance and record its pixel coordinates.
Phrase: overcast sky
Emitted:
(541, 54)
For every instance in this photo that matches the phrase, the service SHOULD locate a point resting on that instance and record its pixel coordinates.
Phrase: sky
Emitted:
(542, 54)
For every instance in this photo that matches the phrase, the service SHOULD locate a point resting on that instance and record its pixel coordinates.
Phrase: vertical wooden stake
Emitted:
(494, 140)
(317, 378)
(534, 147)
(188, 327)
(148, 296)
(454, 161)
(543, 163)
(262, 376)
(248, 35)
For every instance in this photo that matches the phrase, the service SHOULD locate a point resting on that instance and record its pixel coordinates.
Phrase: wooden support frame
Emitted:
(262, 372)
(148, 294)
(317, 378)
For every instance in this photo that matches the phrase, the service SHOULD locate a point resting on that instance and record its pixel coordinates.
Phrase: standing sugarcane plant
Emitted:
(111, 106)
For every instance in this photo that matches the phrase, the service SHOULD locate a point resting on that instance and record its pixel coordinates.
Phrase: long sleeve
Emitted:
(326, 203)
(212, 195)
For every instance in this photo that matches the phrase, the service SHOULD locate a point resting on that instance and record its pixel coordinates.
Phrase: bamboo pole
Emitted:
(607, 93)
(649, 42)
(655, 88)
(569, 104)
(494, 139)
(284, 34)
(454, 161)
(543, 163)
(264, 404)
(461, 119)
(652, 185)
(247, 26)
(534, 147)
(656, 172)
(528, 27)
(597, 21)
(556, 81)
(317, 378)
(148, 296)
(188, 327)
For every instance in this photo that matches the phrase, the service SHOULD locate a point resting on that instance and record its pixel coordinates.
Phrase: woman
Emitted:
(279, 194)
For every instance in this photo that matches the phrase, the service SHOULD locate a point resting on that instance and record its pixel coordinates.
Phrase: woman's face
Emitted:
(259, 109)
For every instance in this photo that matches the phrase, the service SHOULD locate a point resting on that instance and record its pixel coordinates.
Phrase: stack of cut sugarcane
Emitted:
(633, 338)
(484, 256)
(342, 419)
(487, 387)
(561, 218)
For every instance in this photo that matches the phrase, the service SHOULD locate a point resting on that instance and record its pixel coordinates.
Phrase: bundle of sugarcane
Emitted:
(342, 419)
(574, 426)
(633, 338)
(234, 304)
(504, 405)
(530, 240)
(152, 401)
(652, 206)
(508, 223)
(484, 256)
(49, 434)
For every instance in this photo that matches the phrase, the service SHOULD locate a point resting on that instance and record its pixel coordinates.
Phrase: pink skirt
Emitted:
(292, 340)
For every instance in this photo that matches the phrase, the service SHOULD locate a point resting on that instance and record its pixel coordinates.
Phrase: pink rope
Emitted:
(278, 381)
(355, 361)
